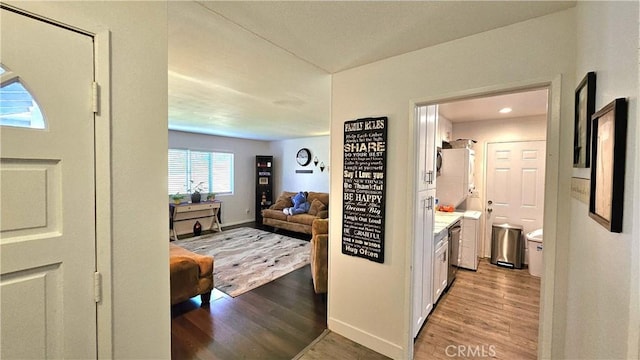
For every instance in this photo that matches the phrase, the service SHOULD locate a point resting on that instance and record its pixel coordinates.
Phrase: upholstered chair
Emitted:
(319, 254)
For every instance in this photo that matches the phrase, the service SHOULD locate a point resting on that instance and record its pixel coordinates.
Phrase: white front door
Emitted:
(47, 192)
(515, 186)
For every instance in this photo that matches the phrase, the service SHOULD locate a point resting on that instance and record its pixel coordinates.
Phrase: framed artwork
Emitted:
(585, 106)
(608, 145)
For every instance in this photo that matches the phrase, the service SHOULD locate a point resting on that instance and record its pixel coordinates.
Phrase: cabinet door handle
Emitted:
(429, 203)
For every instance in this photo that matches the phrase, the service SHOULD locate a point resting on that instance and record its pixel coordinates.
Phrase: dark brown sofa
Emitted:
(191, 274)
(273, 216)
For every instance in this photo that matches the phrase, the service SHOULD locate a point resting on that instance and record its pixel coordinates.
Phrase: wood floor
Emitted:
(274, 321)
(489, 313)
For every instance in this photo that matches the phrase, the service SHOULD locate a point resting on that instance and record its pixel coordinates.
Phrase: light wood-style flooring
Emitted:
(489, 313)
(330, 345)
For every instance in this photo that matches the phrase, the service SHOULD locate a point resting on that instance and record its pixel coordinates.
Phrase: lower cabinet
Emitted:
(470, 240)
(440, 269)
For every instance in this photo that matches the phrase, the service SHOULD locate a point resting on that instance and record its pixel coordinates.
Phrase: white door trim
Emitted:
(102, 56)
(554, 191)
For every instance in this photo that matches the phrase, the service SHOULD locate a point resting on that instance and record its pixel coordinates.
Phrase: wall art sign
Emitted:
(585, 106)
(609, 143)
(363, 188)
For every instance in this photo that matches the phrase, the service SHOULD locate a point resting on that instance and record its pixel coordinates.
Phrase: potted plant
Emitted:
(195, 191)
(211, 196)
(177, 198)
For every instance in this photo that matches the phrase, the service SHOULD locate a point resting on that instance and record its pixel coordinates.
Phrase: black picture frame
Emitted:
(585, 106)
(608, 145)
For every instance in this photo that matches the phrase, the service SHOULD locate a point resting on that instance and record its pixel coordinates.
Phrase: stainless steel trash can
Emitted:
(507, 246)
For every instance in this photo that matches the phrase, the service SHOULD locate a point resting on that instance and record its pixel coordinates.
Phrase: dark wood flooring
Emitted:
(274, 321)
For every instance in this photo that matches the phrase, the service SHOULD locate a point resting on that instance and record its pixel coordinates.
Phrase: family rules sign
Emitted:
(363, 188)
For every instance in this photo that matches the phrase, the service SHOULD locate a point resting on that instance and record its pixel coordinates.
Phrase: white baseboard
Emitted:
(240, 222)
(364, 338)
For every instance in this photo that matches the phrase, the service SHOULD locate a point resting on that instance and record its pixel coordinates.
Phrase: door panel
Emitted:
(47, 232)
(515, 185)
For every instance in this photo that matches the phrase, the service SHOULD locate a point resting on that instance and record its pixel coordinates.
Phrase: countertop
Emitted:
(442, 220)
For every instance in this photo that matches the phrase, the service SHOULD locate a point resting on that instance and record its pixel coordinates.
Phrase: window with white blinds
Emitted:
(212, 170)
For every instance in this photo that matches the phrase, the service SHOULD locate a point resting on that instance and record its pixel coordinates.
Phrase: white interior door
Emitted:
(47, 193)
(514, 186)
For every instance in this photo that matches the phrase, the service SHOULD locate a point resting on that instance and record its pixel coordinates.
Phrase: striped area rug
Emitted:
(246, 258)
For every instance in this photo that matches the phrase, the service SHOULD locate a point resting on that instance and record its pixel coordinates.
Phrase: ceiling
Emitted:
(262, 70)
(522, 104)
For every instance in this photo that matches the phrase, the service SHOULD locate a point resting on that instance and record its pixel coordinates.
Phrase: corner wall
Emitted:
(288, 179)
(369, 302)
(602, 295)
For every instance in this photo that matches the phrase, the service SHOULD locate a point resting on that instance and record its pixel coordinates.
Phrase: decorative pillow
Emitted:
(283, 202)
(316, 207)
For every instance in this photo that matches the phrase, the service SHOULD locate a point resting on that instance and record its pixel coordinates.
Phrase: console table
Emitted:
(184, 216)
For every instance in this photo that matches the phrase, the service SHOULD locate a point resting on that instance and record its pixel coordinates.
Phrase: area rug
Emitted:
(246, 258)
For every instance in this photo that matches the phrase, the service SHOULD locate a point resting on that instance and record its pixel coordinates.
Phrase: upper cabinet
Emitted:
(427, 129)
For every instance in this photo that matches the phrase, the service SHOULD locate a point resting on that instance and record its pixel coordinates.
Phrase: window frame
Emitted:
(189, 171)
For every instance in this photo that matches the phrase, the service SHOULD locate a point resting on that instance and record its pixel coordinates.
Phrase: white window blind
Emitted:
(177, 171)
(212, 169)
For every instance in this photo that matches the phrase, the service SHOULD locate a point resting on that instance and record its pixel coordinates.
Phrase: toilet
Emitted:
(534, 246)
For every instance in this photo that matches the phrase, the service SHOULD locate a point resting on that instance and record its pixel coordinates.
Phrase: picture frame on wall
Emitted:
(608, 145)
(585, 106)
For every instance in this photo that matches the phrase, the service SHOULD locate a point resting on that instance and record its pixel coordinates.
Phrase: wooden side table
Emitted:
(185, 215)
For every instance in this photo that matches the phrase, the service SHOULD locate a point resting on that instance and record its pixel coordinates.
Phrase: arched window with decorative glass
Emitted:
(18, 107)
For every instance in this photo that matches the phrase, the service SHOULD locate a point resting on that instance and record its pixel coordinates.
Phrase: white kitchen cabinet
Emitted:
(427, 128)
(426, 118)
(423, 257)
(440, 268)
(470, 240)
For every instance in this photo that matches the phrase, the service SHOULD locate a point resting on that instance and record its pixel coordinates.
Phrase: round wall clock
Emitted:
(303, 157)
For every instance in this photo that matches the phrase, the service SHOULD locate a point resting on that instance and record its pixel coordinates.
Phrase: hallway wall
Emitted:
(604, 271)
(370, 302)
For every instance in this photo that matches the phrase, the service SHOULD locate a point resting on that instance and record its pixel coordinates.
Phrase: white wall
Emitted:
(137, 323)
(369, 302)
(602, 315)
(499, 130)
(285, 155)
(234, 207)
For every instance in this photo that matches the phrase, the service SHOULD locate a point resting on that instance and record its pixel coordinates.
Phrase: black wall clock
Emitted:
(303, 157)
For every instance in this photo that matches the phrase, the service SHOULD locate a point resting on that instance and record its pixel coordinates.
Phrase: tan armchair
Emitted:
(320, 254)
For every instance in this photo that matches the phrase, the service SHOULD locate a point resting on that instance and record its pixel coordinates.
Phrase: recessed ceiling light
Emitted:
(505, 110)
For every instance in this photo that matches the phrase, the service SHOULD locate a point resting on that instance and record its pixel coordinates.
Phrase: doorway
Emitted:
(514, 186)
(511, 128)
